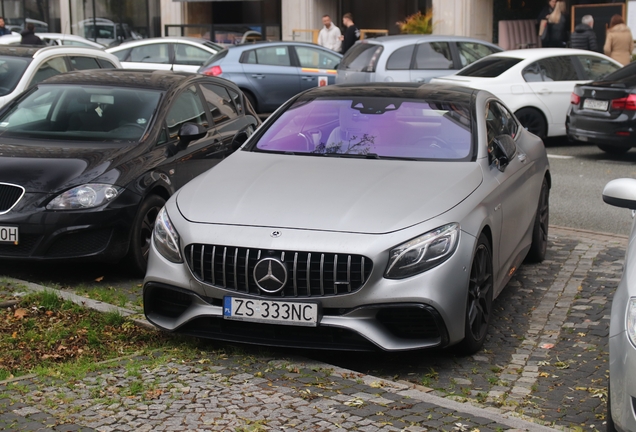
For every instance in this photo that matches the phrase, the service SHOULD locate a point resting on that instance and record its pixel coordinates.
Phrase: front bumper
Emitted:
(623, 381)
(422, 311)
(100, 234)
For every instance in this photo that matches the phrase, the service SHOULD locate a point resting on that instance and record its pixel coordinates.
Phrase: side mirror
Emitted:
(189, 132)
(504, 151)
(621, 193)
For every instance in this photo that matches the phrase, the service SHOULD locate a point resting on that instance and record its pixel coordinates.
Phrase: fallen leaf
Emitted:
(49, 313)
(99, 279)
(14, 335)
(547, 346)
(20, 313)
(376, 384)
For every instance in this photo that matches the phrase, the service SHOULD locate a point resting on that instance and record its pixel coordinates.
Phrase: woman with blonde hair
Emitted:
(619, 42)
(556, 31)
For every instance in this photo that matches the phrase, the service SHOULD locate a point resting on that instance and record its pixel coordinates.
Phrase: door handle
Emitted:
(258, 76)
(544, 91)
(522, 157)
(309, 78)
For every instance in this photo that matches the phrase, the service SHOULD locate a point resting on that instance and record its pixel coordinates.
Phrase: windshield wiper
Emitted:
(353, 155)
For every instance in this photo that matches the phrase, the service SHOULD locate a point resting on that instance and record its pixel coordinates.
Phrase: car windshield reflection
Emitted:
(11, 71)
(88, 113)
(372, 128)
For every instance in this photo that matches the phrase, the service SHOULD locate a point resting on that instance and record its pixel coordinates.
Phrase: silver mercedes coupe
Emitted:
(356, 217)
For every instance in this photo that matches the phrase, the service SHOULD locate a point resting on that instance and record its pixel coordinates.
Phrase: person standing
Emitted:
(29, 37)
(329, 36)
(557, 26)
(351, 34)
(3, 28)
(619, 42)
(583, 36)
(547, 10)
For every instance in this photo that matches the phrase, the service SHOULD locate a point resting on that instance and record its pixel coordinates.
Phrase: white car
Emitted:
(535, 83)
(52, 39)
(167, 53)
(22, 67)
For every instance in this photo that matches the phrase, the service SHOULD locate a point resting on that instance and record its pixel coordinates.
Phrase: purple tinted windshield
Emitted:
(382, 127)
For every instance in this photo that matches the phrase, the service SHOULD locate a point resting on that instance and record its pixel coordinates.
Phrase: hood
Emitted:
(324, 193)
(55, 167)
(582, 28)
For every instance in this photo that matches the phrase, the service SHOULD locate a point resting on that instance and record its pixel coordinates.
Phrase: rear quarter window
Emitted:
(489, 67)
(363, 57)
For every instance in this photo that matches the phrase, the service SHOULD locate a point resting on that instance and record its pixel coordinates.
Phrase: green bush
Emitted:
(417, 23)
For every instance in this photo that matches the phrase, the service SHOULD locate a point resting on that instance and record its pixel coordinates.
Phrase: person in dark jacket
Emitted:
(3, 28)
(557, 36)
(29, 37)
(583, 36)
(351, 34)
(547, 10)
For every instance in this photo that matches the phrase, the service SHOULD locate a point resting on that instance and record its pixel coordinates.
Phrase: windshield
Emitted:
(11, 70)
(490, 67)
(372, 127)
(87, 113)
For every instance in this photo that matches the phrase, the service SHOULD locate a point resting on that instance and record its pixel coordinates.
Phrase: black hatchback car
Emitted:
(604, 112)
(87, 159)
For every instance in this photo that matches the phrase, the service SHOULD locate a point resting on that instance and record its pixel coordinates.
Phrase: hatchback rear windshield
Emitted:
(76, 112)
(372, 127)
(11, 70)
(216, 57)
(489, 67)
(362, 57)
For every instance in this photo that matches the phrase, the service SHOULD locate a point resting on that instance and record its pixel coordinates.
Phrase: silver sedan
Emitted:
(356, 217)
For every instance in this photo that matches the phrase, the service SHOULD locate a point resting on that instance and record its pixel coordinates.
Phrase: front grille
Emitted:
(309, 273)
(9, 196)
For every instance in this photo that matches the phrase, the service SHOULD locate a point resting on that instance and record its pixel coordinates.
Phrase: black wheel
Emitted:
(609, 421)
(614, 150)
(539, 246)
(141, 234)
(533, 121)
(479, 302)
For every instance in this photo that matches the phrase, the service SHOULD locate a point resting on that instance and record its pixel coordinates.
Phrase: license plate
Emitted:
(8, 234)
(270, 311)
(597, 105)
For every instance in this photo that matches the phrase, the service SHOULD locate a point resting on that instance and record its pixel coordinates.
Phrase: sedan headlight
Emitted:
(166, 238)
(84, 197)
(423, 252)
(631, 320)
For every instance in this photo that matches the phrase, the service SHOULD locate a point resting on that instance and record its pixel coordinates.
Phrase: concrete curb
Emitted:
(584, 231)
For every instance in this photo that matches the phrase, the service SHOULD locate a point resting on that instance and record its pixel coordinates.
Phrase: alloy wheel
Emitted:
(480, 293)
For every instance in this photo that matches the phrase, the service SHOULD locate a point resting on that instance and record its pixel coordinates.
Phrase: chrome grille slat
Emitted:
(320, 279)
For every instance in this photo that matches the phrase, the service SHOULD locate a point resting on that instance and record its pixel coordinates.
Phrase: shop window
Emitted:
(433, 55)
(151, 53)
(186, 108)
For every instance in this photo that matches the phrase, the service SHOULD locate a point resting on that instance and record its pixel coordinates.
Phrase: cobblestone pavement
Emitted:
(545, 358)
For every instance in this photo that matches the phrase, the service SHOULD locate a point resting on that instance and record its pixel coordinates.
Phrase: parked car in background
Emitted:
(603, 112)
(315, 239)
(53, 39)
(622, 334)
(166, 53)
(269, 73)
(410, 58)
(106, 32)
(87, 159)
(17, 25)
(535, 83)
(24, 67)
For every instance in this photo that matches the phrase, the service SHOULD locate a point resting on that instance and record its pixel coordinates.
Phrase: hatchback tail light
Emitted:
(213, 71)
(575, 99)
(627, 103)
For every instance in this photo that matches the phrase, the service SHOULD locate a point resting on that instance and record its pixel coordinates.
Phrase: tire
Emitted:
(609, 421)
(479, 300)
(143, 224)
(614, 150)
(533, 121)
(539, 246)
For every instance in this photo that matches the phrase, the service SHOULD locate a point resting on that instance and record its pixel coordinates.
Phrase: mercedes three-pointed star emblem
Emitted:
(270, 275)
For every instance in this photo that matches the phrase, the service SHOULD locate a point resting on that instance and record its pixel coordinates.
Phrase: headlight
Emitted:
(84, 197)
(631, 320)
(166, 238)
(423, 253)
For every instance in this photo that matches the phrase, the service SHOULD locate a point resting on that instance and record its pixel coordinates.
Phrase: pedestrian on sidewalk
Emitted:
(556, 31)
(583, 36)
(329, 36)
(351, 34)
(619, 42)
(29, 37)
(3, 28)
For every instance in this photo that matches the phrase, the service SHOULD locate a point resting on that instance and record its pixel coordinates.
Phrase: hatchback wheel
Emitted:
(541, 222)
(142, 233)
(533, 121)
(614, 150)
(479, 302)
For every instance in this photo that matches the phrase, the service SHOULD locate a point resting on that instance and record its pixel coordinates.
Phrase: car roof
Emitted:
(445, 92)
(539, 53)
(166, 39)
(273, 43)
(401, 39)
(156, 80)
(31, 51)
